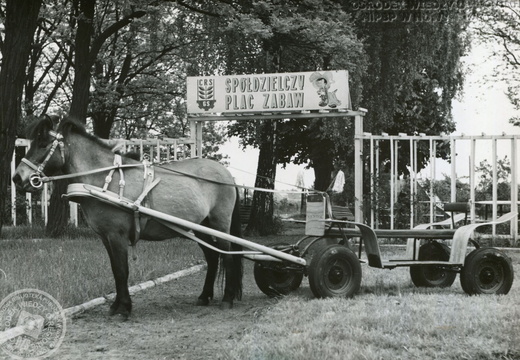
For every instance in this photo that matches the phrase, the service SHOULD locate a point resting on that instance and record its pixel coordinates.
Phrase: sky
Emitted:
(483, 107)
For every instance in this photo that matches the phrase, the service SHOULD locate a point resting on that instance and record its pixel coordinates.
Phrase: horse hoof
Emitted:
(226, 305)
(202, 302)
(119, 317)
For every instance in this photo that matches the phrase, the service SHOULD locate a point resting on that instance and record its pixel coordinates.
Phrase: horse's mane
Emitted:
(39, 130)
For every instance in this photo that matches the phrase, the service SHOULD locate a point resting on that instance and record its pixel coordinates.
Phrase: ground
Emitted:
(165, 324)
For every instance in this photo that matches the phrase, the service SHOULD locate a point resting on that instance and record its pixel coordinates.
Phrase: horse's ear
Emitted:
(55, 119)
(68, 125)
(39, 129)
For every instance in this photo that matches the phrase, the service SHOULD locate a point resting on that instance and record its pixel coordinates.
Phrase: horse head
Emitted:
(46, 155)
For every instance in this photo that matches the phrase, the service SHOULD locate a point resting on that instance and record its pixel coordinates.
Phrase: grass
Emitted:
(76, 268)
(388, 319)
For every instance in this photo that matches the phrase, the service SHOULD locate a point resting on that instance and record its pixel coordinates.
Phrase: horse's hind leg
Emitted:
(229, 288)
(212, 258)
(117, 248)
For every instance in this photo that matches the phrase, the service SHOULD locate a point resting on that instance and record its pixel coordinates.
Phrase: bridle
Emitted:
(36, 178)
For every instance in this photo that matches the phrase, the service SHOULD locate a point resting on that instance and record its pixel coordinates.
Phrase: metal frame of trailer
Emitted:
(333, 268)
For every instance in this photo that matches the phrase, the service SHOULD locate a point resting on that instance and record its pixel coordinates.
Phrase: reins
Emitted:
(89, 172)
(236, 185)
(37, 179)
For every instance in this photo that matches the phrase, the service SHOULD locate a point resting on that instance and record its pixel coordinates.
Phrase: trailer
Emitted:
(333, 268)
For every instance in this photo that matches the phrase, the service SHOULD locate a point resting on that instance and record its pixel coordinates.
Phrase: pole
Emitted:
(358, 165)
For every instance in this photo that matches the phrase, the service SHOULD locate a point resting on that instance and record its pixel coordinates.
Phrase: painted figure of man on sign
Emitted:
(323, 82)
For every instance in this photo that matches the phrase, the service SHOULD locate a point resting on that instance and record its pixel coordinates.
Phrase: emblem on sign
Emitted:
(206, 94)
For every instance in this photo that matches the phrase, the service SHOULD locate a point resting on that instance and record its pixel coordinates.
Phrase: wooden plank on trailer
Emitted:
(315, 213)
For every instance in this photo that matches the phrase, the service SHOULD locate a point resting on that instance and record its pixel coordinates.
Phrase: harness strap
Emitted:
(146, 190)
(137, 233)
(89, 172)
(121, 182)
(108, 180)
(118, 162)
(31, 165)
(148, 184)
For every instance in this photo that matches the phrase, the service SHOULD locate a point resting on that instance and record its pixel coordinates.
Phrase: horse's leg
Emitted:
(230, 286)
(232, 263)
(117, 248)
(212, 258)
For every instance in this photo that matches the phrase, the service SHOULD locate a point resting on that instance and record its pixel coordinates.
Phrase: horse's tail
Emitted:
(236, 230)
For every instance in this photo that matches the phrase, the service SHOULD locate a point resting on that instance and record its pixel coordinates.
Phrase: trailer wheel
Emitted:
(431, 275)
(273, 279)
(487, 271)
(335, 271)
(276, 282)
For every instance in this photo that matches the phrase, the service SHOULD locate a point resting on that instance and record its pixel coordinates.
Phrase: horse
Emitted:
(198, 190)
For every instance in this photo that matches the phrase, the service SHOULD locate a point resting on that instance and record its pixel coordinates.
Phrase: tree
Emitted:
(20, 20)
(484, 189)
(125, 69)
(414, 69)
(414, 72)
(499, 22)
(284, 37)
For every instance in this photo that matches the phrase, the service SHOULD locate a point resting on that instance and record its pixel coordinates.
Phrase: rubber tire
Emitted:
(487, 271)
(274, 282)
(428, 275)
(335, 271)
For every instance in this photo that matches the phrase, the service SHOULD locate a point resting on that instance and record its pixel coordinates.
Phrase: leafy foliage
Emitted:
(123, 65)
(499, 23)
(414, 69)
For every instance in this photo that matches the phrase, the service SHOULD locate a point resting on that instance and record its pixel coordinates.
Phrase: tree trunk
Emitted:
(58, 208)
(322, 160)
(323, 168)
(83, 61)
(261, 220)
(20, 23)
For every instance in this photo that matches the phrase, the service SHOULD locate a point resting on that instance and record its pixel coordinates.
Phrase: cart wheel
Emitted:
(276, 282)
(334, 271)
(273, 279)
(487, 271)
(431, 275)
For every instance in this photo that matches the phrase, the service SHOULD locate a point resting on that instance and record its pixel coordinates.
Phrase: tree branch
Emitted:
(111, 30)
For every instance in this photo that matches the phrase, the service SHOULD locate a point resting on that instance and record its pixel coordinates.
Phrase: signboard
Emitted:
(267, 93)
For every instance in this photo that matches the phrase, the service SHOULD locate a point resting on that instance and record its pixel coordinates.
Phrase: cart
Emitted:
(332, 267)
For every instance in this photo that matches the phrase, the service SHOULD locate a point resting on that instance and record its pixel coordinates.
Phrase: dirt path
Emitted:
(165, 325)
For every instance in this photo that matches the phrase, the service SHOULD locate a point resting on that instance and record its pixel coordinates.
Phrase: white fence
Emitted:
(466, 152)
(154, 149)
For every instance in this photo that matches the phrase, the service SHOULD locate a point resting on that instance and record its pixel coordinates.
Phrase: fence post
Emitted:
(73, 208)
(358, 165)
(514, 190)
(13, 190)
